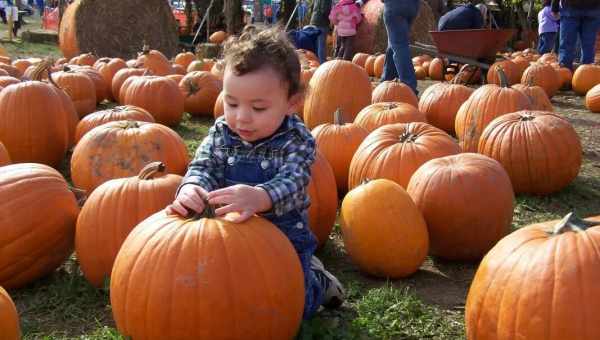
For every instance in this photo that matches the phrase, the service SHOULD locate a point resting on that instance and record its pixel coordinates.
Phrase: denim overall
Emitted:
(256, 164)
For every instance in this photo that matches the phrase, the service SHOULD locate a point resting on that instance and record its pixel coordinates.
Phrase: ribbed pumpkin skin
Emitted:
(467, 201)
(4, 156)
(101, 87)
(121, 149)
(37, 222)
(592, 99)
(536, 285)
(544, 76)
(150, 92)
(394, 91)
(378, 65)
(80, 87)
(323, 199)
(219, 108)
(200, 90)
(511, 70)
(384, 232)
(125, 112)
(360, 59)
(120, 77)
(440, 103)
(33, 123)
(337, 84)
(108, 67)
(111, 212)
(155, 62)
(537, 96)
(380, 114)
(396, 151)
(71, 113)
(540, 150)
(207, 279)
(585, 77)
(338, 143)
(370, 65)
(485, 104)
(9, 318)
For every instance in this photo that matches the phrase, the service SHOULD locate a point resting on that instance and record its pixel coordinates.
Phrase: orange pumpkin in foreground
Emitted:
(193, 278)
(323, 199)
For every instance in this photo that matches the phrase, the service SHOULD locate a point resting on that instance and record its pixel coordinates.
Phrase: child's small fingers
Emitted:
(192, 202)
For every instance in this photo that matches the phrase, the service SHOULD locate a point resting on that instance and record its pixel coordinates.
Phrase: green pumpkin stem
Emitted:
(151, 170)
(208, 212)
(338, 118)
(408, 137)
(573, 223)
(502, 76)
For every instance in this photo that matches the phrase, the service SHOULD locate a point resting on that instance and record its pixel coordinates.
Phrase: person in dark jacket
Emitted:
(578, 19)
(462, 18)
(320, 19)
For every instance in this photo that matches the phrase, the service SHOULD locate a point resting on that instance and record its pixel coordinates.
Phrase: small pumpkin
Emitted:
(436, 69)
(440, 103)
(218, 37)
(9, 318)
(585, 77)
(379, 114)
(108, 67)
(360, 59)
(154, 61)
(184, 59)
(126, 112)
(219, 108)
(200, 90)
(592, 99)
(394, 91)
(378, 65)
(544, 76)
(149, 93)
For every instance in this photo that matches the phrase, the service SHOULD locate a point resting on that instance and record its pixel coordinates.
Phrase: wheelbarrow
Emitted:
(477, 47)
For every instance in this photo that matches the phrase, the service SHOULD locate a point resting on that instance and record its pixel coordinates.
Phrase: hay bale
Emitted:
(372, 36)
(117, 28)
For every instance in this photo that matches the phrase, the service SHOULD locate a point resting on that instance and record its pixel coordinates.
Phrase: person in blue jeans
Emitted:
(398, 16)
(578, 19)
(320, 19)
(256, 159)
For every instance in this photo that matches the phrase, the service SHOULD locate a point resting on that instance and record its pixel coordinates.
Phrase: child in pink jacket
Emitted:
(345, 16)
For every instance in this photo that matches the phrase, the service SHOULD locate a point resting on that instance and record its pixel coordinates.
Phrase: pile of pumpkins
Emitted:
(408, 187)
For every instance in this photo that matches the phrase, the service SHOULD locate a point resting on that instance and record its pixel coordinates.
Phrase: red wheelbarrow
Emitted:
(476, 47)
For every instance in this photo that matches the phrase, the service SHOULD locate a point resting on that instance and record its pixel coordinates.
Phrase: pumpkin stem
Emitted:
(573, 223)
(130, 124)
(338, 118)
(530, 82)
(502, 76)
(408, 137)
(151, 170)
(526, 117)
(40, 68)
(365, 181)
(192, 87)
(208, 212)
(390, 106)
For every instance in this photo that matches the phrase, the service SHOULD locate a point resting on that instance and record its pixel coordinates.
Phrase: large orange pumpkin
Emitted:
(338, 142)
(9, 318)
(511, 70)
(323, 199)
(80, 87)
(538, 283)
(380, 114)
(394, 91)
(154, 61)
(108, 67)
(544, 76)
(200, 90)
(384, 233)
(540, 150)
(116, 113)
(585, 77)
(336, 84)
(485, 104)
(592, 99)
(440, 103)
(151, 93)
(120, 77)
(36, 238)
(4, 156)
(122, 149)
(223, 280)
(396, 151)
(113, 210)
(467, 201)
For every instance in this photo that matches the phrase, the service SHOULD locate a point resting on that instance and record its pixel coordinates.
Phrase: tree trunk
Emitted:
(286, 11)
(233, 16)
(189, 19)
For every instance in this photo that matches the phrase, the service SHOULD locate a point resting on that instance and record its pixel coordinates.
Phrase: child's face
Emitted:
(256, 103)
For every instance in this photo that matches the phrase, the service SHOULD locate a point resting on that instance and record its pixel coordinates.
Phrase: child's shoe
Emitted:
(334, 291)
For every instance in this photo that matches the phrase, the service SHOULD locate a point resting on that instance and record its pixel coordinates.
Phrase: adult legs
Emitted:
(322, 44)
(348, 48)
(569, 28)
(588, 32)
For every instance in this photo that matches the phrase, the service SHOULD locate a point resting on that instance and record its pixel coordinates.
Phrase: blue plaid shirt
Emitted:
(295, 150)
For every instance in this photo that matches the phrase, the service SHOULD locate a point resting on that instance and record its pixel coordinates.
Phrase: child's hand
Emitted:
(190, 197)
(245, 199)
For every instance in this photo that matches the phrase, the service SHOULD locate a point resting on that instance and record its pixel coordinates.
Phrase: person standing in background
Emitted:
(548, 28)
(398, 17)
(345, 16)
(320, 19)
(40, 6)
(3, 5)
(578, 19)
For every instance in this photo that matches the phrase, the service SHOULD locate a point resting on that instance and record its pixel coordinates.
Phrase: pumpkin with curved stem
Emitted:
(338, 142)
(585, 77)
(380, 114)
(4, 156)
(200, 90)
(37, 238)
(121, 149)
(537, 96)
(524, 287)
(393, 242)
(394, 91)
(184, 59)
(206, 258)
(396, 151)
(336, 84)
(511, 70)
(540, 150)
(592, 99)
(544, 76)
(440, 103)
(149, 93)
(108, 67)
(126, 112)
(9, 318)
(323, 199)
(113, 210)
(459, 231)
(154, 61)
(80, 87)
(120, 77)
(485, 104)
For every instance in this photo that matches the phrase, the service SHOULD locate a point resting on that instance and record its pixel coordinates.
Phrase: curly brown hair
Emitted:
(254, 50)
